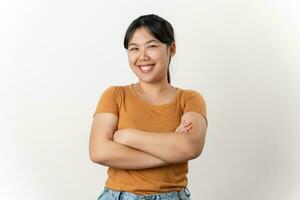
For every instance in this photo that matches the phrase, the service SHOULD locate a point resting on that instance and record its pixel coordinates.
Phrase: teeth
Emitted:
(146, 68)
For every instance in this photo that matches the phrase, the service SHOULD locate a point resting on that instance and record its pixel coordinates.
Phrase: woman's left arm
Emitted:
(172, 147)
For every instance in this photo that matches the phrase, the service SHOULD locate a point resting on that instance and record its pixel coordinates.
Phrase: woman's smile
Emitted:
(146, 68)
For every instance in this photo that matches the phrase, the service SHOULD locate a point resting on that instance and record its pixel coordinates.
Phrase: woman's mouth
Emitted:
(146, 68)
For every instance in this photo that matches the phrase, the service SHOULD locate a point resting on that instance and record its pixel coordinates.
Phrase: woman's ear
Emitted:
(172, 49)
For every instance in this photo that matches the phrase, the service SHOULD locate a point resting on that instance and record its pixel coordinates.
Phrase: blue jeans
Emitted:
(108, 194)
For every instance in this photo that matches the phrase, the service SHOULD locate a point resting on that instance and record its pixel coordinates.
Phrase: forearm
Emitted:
(171, 147)
(121, 156)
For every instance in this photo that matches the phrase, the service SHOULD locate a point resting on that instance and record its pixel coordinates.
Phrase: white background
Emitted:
(57, 57)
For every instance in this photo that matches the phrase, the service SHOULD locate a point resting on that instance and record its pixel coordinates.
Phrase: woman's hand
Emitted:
(184, 127)
(121, 135)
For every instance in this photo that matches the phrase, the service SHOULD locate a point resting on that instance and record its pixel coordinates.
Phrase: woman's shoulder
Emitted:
(118, 90)
(186, 92)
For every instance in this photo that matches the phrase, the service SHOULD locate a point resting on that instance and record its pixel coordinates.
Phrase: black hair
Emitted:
(160, 28)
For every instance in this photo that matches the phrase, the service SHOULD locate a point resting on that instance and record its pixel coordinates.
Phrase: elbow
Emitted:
(96, 157)
(186, 153)
(93, 158)
(195, 150)
(195, 153)
(195, 145)
(98, 152)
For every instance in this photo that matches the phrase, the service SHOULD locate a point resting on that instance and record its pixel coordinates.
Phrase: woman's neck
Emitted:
(151, 89)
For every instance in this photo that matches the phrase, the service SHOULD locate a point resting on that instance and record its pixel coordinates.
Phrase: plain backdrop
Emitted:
(57, 57)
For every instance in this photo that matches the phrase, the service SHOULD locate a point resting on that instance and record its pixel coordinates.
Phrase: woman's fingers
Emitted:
(188, 128)
(183, 128)
(187, 124)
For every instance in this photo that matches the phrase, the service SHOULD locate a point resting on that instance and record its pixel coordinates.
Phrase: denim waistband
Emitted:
(129, 195)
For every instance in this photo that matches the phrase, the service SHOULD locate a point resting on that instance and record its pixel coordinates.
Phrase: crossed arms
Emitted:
(138, 149)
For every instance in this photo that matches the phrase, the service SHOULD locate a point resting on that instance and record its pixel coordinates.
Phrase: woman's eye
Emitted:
(152, 46)
(133, 49)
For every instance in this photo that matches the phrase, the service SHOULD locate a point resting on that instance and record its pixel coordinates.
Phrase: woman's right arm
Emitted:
(103, 150)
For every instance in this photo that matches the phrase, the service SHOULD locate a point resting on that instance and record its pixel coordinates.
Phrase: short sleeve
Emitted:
(108, 102)
(196, 103)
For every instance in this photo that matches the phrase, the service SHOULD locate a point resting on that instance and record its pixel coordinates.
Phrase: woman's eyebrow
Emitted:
(132, 43)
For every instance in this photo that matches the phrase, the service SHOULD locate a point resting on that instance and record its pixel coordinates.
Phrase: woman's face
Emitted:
(148, 57)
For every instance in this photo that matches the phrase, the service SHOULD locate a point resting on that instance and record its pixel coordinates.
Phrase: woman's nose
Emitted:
(143, 54)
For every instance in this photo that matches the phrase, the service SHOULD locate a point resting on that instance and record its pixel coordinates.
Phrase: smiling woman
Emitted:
(147, 54)
(150, 37)
(146, 132)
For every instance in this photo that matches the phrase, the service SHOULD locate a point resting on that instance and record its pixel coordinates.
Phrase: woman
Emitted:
(146, 132)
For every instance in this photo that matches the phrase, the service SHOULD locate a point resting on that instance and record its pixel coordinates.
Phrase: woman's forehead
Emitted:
(142, 35)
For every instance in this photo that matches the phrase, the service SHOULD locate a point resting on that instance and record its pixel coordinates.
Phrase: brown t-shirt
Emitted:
(133, 112)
